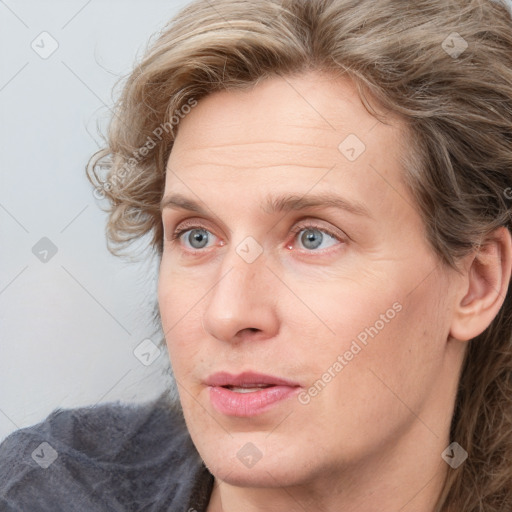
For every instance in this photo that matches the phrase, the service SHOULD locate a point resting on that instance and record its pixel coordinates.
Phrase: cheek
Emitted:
(369, 393)
(181, 323)
(400, 349)
(386, 328)
(349, 311)
(412, 356)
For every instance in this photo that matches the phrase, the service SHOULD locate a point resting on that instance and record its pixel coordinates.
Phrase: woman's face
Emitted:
(305, 313)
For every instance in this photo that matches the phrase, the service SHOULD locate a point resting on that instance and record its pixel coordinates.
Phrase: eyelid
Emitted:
(313, 224)
(178, 233)
(187, 224)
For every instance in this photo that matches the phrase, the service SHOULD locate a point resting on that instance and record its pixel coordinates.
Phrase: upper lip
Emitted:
(246, 379)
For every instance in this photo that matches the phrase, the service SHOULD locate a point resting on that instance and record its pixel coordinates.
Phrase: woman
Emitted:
(327, 186)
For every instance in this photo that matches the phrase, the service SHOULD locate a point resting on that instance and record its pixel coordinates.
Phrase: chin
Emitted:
(241, 463)
(261, 475)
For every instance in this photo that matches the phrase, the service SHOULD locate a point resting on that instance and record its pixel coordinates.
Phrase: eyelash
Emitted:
(295, 230)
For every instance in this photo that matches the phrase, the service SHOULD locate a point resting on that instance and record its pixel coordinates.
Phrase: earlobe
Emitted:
(485, 286)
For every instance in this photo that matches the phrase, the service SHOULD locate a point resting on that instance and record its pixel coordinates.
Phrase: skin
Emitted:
(372, 438)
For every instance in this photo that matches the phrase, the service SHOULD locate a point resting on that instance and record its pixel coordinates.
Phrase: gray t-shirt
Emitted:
(110, 457)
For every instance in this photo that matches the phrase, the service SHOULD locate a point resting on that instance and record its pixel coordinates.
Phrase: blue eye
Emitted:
(197, 238)
(312, 238)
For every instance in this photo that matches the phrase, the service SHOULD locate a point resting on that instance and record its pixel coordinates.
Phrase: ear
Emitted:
(485, 285)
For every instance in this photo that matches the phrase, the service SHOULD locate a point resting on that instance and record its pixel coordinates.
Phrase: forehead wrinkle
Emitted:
(240, 145)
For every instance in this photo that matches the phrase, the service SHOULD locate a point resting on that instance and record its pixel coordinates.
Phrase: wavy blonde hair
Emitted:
(457, 112)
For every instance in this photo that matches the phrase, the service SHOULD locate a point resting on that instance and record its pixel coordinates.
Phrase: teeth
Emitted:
(246, 390)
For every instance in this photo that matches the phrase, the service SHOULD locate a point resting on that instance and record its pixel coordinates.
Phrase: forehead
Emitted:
(287, 132)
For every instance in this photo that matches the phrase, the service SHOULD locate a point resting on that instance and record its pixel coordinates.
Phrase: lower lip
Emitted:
(232, 403)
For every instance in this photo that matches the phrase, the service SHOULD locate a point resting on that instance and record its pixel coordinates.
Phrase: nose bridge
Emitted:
(235, 285)
(238, 301)
(242, 264)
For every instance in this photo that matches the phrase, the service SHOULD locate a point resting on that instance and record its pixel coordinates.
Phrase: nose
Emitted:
(242, 304)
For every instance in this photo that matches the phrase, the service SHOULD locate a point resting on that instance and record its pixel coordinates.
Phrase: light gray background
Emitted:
(68, 327)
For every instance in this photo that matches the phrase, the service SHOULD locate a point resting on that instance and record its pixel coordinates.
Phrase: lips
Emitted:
(248, 393)
(246, 379)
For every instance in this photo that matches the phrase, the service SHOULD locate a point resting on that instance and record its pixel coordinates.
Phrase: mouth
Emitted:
(248, 394)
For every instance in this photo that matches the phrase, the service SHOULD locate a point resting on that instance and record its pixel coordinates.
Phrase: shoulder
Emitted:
(107, 457)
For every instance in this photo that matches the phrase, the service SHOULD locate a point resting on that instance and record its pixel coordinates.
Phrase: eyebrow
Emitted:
(275, 204)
